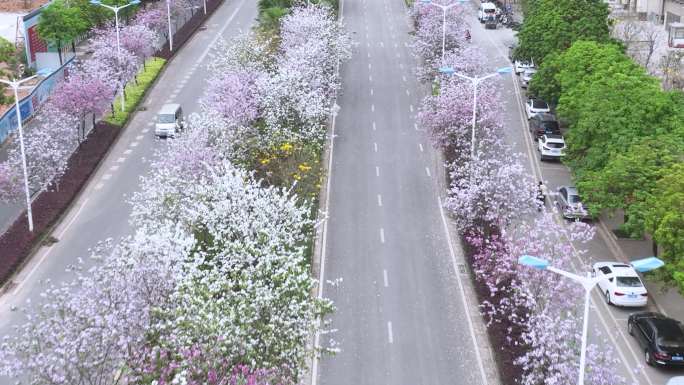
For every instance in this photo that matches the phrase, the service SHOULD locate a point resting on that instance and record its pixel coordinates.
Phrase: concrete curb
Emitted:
(473, 309)
(318, 259)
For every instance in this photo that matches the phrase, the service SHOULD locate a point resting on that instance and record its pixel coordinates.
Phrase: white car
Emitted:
(527, 76)
(522, 65)
(625, 288)
(536, 106)
(551, 146)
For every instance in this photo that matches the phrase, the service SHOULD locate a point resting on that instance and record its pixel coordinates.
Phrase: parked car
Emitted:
(536, 106)
(486, 9)
(544, 123)
(551, 146)
(169, 121)
(625, 288)
(491, 22)
(661, 338)
(570, 205)
(527, 77)
(522, 65)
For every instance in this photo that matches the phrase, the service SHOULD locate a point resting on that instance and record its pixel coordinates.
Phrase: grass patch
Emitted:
(409, 3)
(135, 91)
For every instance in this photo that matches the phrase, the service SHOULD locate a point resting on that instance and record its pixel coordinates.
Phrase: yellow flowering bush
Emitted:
(288, 162)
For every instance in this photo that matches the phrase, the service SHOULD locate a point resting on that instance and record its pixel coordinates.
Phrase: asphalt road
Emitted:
(399, 317)
(605, 322)
(102, 211)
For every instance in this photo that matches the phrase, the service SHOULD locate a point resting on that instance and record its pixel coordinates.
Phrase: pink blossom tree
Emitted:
(427, 44)
(80, 94)
(235, 96)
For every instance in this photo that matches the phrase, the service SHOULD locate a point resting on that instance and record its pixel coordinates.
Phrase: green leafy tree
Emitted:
(629, 178)
(8, 57)
(608, 112)
(561, 72)
(553, 25)
(270, 12)
(665, 221)
(60, 24)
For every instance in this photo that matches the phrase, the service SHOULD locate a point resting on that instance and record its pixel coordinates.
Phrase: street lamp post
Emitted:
(444, 9)
(168, 17)
(116, 10)
(475, 81)
(15, 84)
(588, 283)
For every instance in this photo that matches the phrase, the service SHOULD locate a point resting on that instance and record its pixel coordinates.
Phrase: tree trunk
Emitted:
(59, 52)
(73, 47)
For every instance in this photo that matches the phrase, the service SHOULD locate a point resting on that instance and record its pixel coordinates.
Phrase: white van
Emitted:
(169, 120)
(486, 10)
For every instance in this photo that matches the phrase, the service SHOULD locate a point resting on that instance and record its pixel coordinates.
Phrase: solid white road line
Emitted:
(384, 276)
(390, 336)
(47, 252)
(382, 235)
(476, 347)
(379, 200)
(324, 230)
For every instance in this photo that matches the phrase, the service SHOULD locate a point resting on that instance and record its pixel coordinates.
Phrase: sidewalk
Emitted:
(666, 300)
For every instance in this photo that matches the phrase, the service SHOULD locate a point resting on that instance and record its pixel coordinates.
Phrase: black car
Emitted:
(490, 22)
(661, 338)
(544, 124)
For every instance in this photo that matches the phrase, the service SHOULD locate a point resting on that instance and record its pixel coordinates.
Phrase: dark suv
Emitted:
(661, 338)
(544, 124)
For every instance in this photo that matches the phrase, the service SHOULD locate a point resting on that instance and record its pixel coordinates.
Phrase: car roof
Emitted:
(570, 189)
(679, 380)
(666, 324)
(545, 117)
(623, 269)
(554, 138)
(169, 108)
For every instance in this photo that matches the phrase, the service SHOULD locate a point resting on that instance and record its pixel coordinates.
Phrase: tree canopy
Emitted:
(553, 25)
(665, 221)
(60, 24)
